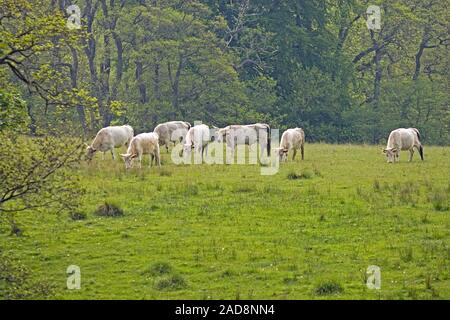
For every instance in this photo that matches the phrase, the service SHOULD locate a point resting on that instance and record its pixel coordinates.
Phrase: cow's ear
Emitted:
(133, 156)
(124, 155)
(394, 149)
(384, 150)
(285, 150)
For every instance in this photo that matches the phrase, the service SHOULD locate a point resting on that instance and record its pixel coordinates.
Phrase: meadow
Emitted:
(228, 232)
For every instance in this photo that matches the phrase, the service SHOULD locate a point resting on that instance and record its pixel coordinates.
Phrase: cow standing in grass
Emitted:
(110, 138)
(292, 139)
(249, 134)
(172, 131)
(403, 139)
(197, 138)
(144, 143)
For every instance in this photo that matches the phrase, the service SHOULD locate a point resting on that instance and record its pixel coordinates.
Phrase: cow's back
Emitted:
(401, 138)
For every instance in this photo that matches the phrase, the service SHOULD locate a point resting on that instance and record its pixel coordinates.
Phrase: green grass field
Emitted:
(227, 232)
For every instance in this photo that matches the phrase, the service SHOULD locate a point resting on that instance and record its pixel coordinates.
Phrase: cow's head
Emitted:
(282, 153)
(90, 151)
(220, 135)
(391, 154)
(187, 148)
(128, 159)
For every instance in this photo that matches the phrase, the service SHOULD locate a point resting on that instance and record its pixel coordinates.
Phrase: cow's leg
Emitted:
(294, 154)
(205, 149)
(157, 158)
(411, 153)
(230, 153)
(113, 154)
(303, 151)
(151, 157)
(140, 160)
(262, 149)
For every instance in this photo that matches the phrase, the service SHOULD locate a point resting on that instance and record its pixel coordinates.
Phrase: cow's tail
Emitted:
(420, 144)
(421, 151)
(268, 140)
(417, 132)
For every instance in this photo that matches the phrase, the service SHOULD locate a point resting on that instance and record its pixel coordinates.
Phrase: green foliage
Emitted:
(35, 174)
(13, 113)
(17, 281)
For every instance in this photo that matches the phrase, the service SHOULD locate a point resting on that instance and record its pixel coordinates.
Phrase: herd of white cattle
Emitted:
(199, 136)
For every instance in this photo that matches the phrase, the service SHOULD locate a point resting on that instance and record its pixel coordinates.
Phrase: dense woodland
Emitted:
(313, 64)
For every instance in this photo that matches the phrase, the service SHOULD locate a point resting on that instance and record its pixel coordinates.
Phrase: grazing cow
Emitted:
(172, 131)
(291, 139)
(403, 139)
(109, 138)
(197, 138)
(246, 135)
(144, 143)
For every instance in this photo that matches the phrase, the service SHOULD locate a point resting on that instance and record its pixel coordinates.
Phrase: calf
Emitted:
(144, 143)
(197, 138)
(291, 139)
(245, 135)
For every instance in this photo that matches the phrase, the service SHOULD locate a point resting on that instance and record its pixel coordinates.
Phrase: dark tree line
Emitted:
(313, 64)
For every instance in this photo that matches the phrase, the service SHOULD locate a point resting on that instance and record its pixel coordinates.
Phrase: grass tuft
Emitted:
(172, 282)
(109, 210)
(77, 216)
(160, 268)
(328, 288)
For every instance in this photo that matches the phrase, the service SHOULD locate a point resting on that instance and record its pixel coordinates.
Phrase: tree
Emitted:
(36, 173)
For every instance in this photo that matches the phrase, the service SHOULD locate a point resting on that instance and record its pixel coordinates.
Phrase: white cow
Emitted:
(172, 131)
(109, 138)
(291, 139)
(144, 143)
(197, 138)
(403, 139)
(245, 135)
